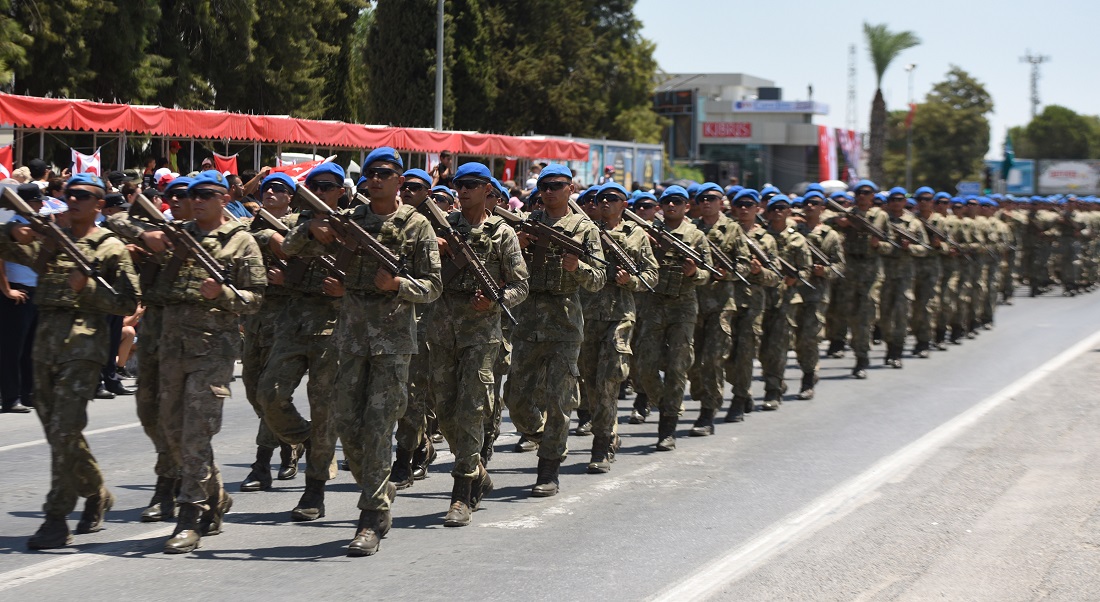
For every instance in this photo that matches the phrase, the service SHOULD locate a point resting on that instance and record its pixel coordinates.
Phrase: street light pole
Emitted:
(909, 133)
(439, 68)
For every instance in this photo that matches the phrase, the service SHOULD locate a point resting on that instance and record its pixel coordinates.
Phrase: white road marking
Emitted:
(848, 496)
(108, 429)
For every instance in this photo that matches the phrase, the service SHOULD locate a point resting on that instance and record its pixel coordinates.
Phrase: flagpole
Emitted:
(909, 133)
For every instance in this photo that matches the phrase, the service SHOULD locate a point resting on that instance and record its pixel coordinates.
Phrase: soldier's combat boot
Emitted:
(921, 350)
(666, 432)
(186, 538)
(487, 448)
(600, 462)
(373, 526)
(163, 504)
(771, 400)
(546, 484)
(401, 472)
(54, 533)
(210, 523)
(704, 424)
(836, 349)
(95, 508)
(641, 409)
(525, 445)
(433, 431)
(259, 479)
(288, 456)
(312, 504)
(876, 335)
(482, 485)
(860, 370)
(625, 389)
(422, 458)
(806, 389)
(941, 338)
(584, 423)
(956, 334)
(460, 514)
(736, 413)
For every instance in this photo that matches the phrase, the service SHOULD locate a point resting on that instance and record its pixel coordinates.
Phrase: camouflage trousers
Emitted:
(992, 277)
(712, 347)
(1039, 270)
(604, 364)
(808, 322)
(926, 299)
(1068, 261)
(192, 394)
(255, 352)
(964, 309)
(413, 424)
(462, 382)
(542, 391)
(746, 327)
(61, 394)
(837, 313)
(371, 394)
(290, 359)
(148, 383)
(978, 289)
(895, 299)
(948, 302)
(666, 347)
(858, 296)
(1008, 274)
(775, 341)
(501, 367)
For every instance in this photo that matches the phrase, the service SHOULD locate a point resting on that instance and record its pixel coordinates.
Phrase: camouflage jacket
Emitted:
(827, 239)
(719, 293)
(791, 246)
(615, 302)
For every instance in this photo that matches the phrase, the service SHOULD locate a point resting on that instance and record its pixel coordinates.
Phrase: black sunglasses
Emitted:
(610, 198)
(813, 203)
(924, 198)
(943, 202)
(673, 200)
(382, 173)
(644, 206)
(744, 204)
(864, 191)
(179, 194)
(553, 186)
(710, 198)
(413, 186)
(323, 185)
(206, 194)
(442, 198)
(277, 188)
(80, 195)
(468, 184)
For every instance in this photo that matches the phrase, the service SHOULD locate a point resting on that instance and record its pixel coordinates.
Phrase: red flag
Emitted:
(86, 163)
(826, 153)
(909, 117)
(223, 163)
(299, 171)
(6, 159)
(509, 170)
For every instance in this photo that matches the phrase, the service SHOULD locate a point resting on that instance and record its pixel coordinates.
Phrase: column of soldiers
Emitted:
(403, 302)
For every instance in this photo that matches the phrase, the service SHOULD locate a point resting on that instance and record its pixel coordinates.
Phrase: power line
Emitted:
(1035, 60)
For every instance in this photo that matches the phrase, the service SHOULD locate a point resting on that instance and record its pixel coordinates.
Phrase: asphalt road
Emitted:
(968, 475)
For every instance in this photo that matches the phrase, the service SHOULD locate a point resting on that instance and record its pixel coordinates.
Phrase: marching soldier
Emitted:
(927, 272)
(809, 316)
(898, 272)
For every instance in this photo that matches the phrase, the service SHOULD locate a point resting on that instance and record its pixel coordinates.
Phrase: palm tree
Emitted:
(885, 46)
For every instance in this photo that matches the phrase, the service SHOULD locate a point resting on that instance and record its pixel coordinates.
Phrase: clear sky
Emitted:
(796, 43)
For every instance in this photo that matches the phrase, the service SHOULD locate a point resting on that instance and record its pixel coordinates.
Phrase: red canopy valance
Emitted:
(83, 115)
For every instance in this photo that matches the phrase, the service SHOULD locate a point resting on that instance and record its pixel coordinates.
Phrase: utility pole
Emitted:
(909, 133)
(439, 68)
(1035, 60)
(850, 120)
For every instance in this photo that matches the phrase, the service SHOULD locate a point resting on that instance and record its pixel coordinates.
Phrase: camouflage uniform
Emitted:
(70, 347)
(927, 273)
(376, 337)
(950, 260)
(197, 348)
(809, 316)
(897, 286)
(779, 306)
(1016, 222)
(746, 325)
(1068, 258)
(609, 318)
(858, 294)
(302, 341)
(1041, 228)
(542, 387)
(464, 342)
(665, 336)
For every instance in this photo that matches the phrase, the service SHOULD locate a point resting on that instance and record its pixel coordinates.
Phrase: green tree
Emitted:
(13, 43)
(951, 131)
(340, 86)
(893, 163)
(1020, 142)
(356, 101)
(58, 54)
(473, 78)
(1059, 133)
(884, 46)
(118, 56)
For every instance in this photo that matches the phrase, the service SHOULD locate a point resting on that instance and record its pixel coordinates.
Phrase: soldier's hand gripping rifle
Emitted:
(55, 237)
(785, 268)
(668, 242)
(820, 256)
(944, 236)
(463, 258)
(861, 223)
(909, 236)
(355, 238)
(615, 250)
(545, 236)
(183, 243)
(265, 218)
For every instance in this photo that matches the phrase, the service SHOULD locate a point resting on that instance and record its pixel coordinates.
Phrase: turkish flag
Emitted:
(86, 163)
(224, 164)
(826, 153)
(509, 170)
(299, 171)
(6, 159)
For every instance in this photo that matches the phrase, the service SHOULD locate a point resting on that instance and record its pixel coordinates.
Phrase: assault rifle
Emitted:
(819, 255)
(909, 236)
(545, 236)
(785, 268)
(56, 239)
(668, 241)
(463, 257)
(615, 250)
(355, 238)
(183, 243)
(944, 236)
(861, 222)
(295, 271)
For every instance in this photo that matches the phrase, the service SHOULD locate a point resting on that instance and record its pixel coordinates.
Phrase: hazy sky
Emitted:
(796, 43)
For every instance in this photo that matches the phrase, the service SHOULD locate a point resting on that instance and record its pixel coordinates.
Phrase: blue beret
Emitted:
(996, 197)
(211, 177)
(555, 169)
(867, 183)
(279, 177)
(732, 190)
(957, 200)
(779, 199)
(985, 201)
(324, 168)
(708, 186)
(924, 190)
(86, 179)
(995, 203)
(384, 153)
(419, 174)
(813, 194)
(611, 186)
(496, 184)
(896, 190)
(473, 170)
(747, 193)
(797, 201)
(180, 181)
(815, 186)
(970, 197)
(693, 190)
(880, 196)
(840, 194)
(645, 196)
(941, 195)
(444, 190)
(769, 190)
(911, 202)
(674, 191)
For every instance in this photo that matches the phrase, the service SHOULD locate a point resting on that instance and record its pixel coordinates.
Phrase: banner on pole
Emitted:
(826, 153)
(86, 163)
(6, 160)
(225, 164)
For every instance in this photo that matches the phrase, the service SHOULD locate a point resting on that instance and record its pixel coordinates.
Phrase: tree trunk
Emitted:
(878, 139)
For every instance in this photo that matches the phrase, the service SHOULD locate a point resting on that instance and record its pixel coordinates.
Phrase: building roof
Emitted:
(684, 81)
